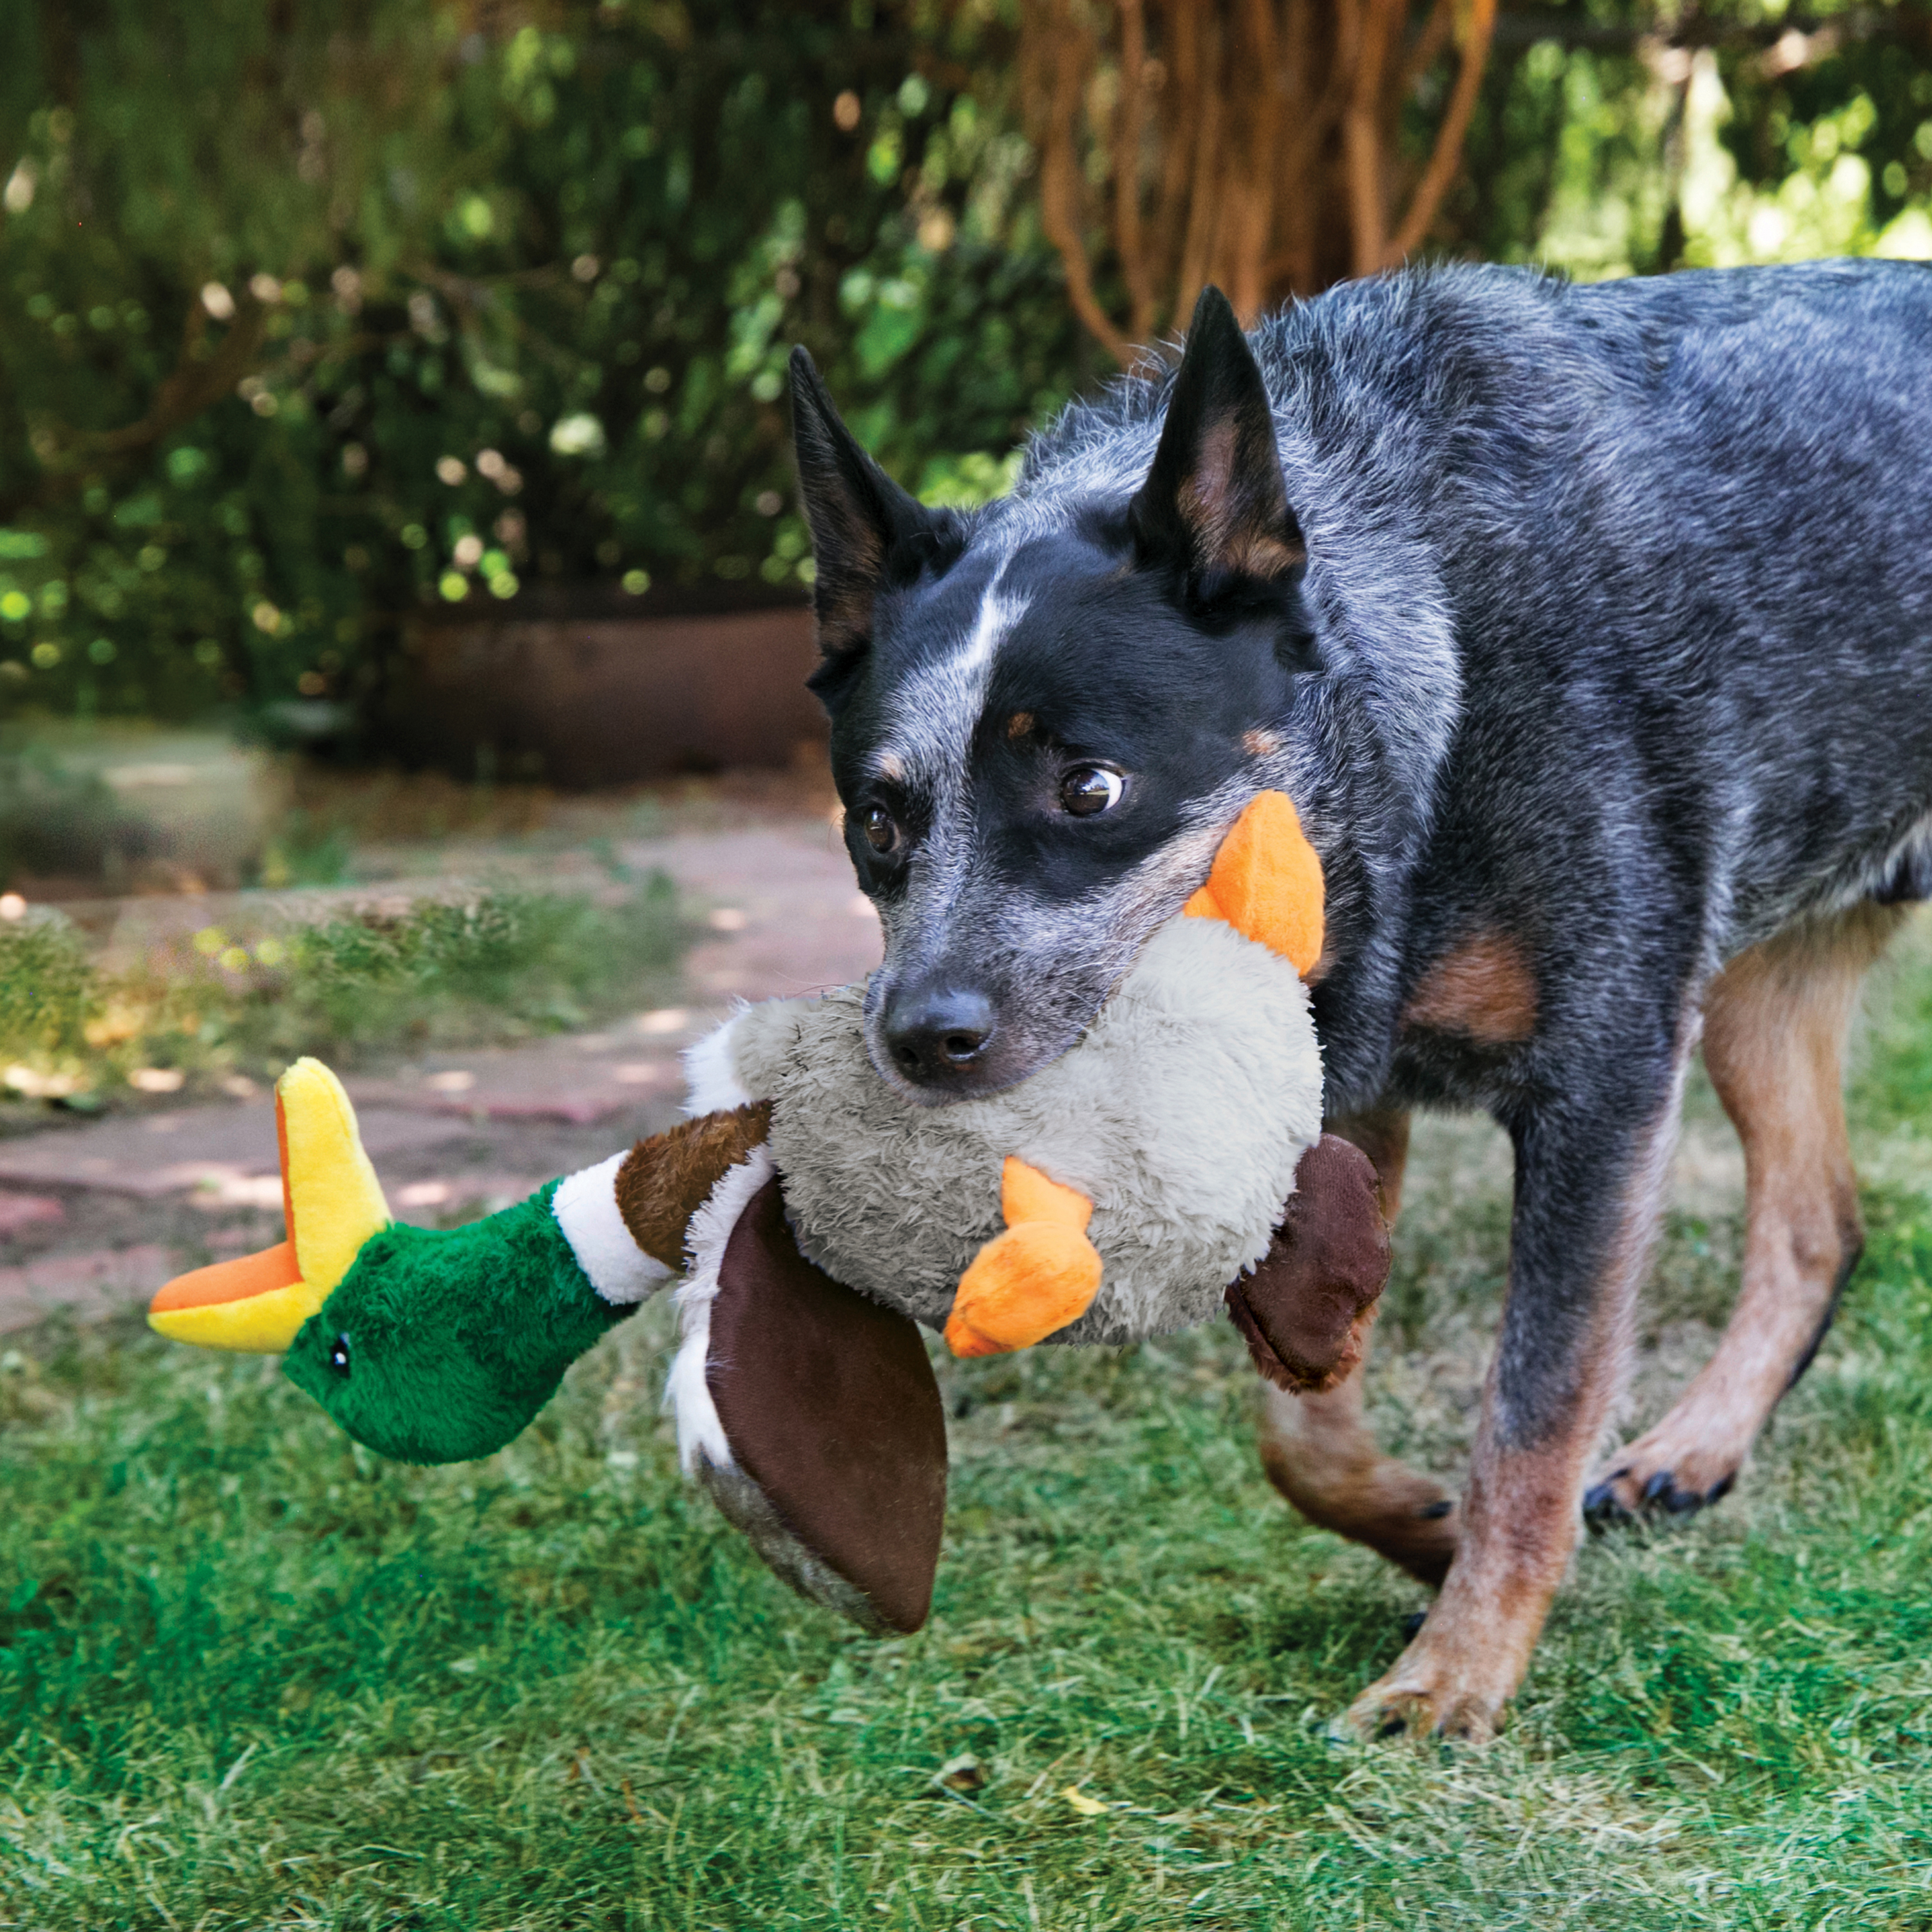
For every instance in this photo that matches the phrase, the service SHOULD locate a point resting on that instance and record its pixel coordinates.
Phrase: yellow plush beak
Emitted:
(332, 1202)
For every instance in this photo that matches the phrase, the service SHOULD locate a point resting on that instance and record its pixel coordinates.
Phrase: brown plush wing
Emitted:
(837, 1432)
(1305, 1309)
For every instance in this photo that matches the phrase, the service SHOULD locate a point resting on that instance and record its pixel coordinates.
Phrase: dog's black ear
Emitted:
(862, 523)
(1214, 504)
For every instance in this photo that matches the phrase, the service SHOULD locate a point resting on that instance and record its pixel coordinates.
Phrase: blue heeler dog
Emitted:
(1590, 631)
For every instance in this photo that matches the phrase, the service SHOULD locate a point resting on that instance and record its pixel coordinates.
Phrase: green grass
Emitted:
(253, 1677)
(498, 966)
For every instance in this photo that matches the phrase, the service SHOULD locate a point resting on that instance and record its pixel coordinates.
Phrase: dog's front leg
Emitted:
(1591, 1170)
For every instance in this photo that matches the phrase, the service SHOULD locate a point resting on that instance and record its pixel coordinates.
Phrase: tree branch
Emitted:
(1128, 242)
(1361, 136)
(1060, 188)
(195, 382)
(1447, 156)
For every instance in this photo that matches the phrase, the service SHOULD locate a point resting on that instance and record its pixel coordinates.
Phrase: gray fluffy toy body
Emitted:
(1181, 1115)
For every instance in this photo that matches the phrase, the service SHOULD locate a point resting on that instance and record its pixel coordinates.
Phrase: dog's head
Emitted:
(1045, 715)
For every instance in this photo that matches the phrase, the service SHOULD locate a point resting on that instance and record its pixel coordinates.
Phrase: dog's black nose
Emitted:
(939, 1032)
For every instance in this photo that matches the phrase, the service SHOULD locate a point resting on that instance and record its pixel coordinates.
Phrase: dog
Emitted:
(1589, 629)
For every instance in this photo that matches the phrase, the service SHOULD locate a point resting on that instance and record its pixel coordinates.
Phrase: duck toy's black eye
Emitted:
(338, 1355)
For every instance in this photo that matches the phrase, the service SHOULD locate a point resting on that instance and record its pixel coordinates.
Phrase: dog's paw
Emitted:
(1459, 1671)
(1636, 1488)
(1420, 1703)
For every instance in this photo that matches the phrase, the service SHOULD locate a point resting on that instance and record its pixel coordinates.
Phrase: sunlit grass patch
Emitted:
(490, 967)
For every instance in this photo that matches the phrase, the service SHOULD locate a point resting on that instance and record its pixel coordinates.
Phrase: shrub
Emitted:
(502, 966)
(47, 990)
(317, 315)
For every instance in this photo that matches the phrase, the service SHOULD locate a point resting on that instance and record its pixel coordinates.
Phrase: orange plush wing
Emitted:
(1267, 882)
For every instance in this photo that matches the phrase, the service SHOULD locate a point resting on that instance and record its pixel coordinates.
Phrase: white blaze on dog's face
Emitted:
(1045, 715)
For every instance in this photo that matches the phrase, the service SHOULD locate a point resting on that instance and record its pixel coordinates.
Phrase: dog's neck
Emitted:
(1362, 752)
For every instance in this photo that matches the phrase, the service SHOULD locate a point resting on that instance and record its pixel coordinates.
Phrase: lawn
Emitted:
(253, 1677)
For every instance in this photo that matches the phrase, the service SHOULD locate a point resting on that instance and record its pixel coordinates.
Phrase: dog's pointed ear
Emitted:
(1215, 505)
(861, 520)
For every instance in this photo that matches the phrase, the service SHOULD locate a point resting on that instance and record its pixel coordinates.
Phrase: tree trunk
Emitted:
(1255, 144)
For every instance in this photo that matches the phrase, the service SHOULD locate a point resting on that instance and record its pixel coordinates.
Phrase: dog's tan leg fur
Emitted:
(1774, 1026)
(1317, 1449)
(1521, 1514)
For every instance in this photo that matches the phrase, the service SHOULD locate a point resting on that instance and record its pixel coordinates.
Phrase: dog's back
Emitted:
(1650, 554)
(1691, 518)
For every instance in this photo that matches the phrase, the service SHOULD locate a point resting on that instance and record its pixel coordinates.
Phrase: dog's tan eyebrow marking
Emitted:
(892, 768)
(1484, 989)
(1019, 724)
(1261, 744)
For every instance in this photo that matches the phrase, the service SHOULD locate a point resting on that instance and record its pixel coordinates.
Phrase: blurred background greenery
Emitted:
(315, 316)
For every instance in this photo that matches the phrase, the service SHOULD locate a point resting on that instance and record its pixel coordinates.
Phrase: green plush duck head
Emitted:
(428, 1346)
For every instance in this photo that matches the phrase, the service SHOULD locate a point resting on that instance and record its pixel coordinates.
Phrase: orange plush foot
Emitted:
(1031, 1282)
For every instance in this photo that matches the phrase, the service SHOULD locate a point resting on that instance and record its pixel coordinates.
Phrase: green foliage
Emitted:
(48, 987)
(1600, 148)
(307, 850)
(315, 316)
(310, 316)
(502, 966)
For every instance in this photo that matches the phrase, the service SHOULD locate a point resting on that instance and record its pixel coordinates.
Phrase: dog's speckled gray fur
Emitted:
(1182, 1115)
(1612, 658)
(1621, 606)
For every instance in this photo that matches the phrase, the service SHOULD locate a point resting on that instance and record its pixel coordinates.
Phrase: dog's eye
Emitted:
(881, 830)
(338, 1355)
(1088, 790)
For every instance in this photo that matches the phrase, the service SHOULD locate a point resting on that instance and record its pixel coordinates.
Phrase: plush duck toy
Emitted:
(817, 1218)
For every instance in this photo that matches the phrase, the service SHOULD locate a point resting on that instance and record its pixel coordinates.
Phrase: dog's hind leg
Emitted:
(1774, 1024)
(1318, 1450)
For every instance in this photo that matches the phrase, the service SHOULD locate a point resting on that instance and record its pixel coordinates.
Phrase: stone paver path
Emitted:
(782, 916)
(87, 1286)
(788, 917)
(452, 1133)
(21, 1211)
(578, 1078)
(223, 1153)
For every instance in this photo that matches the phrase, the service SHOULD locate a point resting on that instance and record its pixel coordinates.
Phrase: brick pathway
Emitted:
(576, 1077)
(787, 916)
(21, 1211)
(87, 1286)
(218, 1152)
(451, 1134)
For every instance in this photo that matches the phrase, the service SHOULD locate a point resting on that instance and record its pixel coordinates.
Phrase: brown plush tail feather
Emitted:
(666, 1179)
(1305, 1310)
